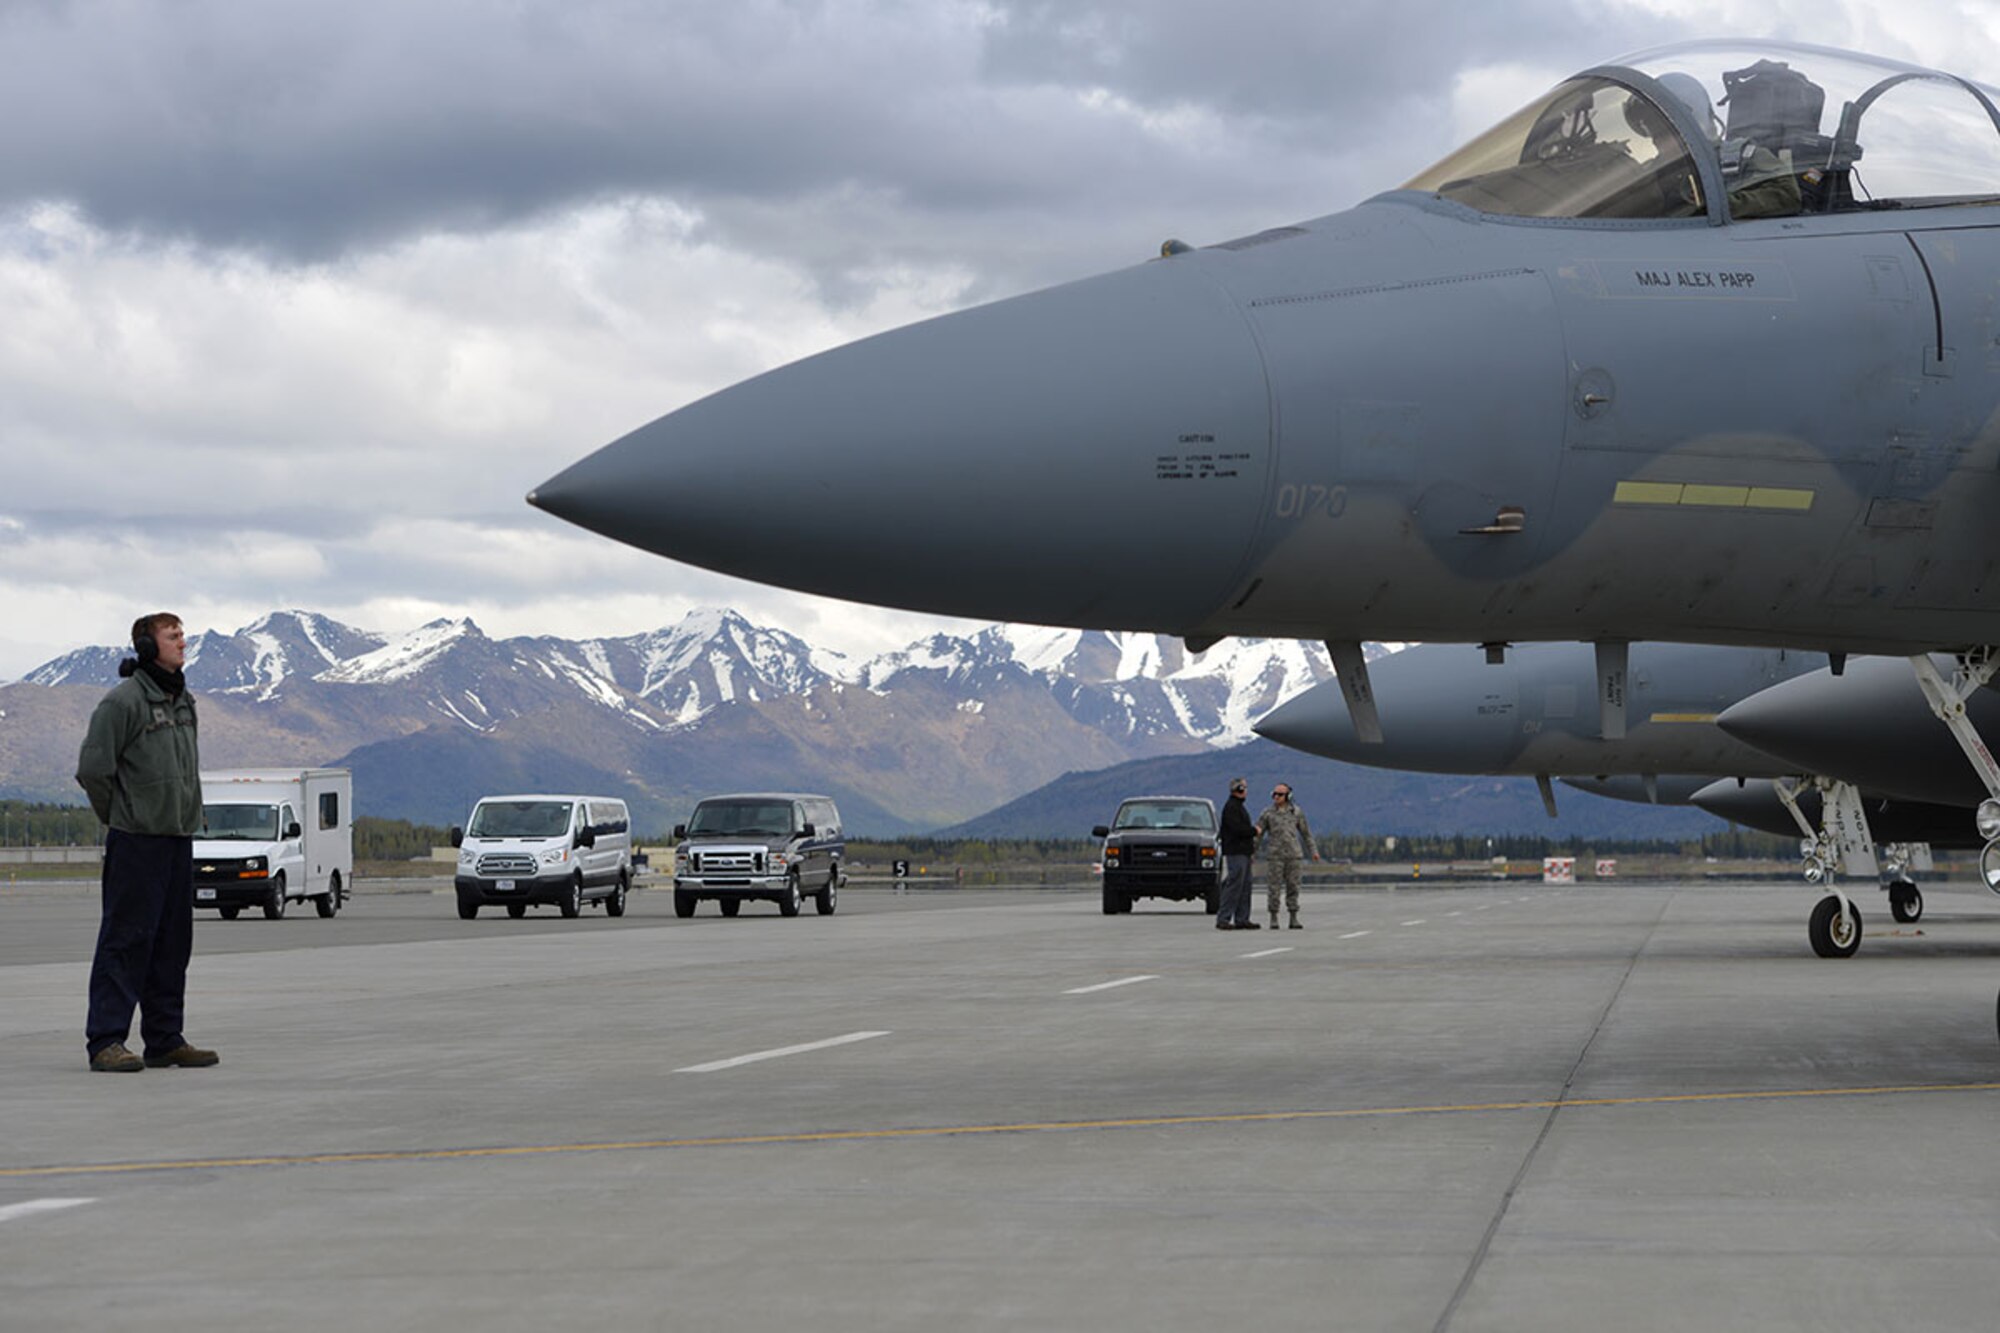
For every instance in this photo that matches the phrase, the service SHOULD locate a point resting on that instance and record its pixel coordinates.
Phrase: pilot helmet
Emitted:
(1687, 90)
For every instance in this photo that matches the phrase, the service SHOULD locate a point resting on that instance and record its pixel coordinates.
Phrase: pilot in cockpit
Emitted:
(1761, 183)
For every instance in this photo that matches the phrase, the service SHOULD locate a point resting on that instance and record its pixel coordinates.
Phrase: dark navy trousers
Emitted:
(144, 942)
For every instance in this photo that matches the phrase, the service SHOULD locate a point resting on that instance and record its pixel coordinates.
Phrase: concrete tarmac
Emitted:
(1479, 1107)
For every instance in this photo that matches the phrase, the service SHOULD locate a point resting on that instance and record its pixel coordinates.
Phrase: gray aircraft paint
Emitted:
(1871, 726)
(1773, 431)
(1445, 709)
(1755, 804)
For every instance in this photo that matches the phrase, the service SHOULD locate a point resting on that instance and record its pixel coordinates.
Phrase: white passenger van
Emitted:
(517, 851)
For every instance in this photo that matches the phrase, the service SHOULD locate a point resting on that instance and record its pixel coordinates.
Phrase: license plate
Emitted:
(504, 885)
(204, 895)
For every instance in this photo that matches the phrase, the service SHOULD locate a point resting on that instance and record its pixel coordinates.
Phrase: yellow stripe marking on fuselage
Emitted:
(1704, 495)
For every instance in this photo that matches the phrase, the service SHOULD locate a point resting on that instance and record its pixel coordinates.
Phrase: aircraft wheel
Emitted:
(1906, 903)
(683, 903)
(730, 906)
(517, 910)
(1832, 934)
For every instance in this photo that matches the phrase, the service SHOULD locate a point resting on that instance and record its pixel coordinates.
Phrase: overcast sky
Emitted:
(298, 299)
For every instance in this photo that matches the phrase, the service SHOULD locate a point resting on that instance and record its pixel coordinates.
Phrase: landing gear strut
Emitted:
(1841, 845)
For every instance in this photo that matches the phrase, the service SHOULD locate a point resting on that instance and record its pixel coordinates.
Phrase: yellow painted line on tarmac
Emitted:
(959, 1131)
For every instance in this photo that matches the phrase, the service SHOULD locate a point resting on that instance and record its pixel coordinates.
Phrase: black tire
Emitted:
(229, 913)
(793, 900)
(571, 903)
(1116, 901)
(274, 908)
(1831, 936)
(517, 910)
(467, 909)
(827, 900)
(1906, 902)
(615, 904)
(684, 903)
(1212, 900)
(730, 906)
(327, 905)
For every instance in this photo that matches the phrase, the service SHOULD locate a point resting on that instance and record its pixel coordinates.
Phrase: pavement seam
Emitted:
(1556, 1106)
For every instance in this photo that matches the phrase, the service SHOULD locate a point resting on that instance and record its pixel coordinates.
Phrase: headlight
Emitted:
(555, 856)
(680, 856)
(253, 863)
(779, 860)
(465, 856)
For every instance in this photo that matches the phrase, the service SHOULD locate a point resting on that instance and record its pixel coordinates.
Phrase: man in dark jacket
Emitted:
(1239, 842)
(142, 771)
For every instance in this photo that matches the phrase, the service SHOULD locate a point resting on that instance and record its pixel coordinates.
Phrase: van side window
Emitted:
(329, 809)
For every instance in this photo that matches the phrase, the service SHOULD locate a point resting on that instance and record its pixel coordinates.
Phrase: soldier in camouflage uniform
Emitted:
(1288, 840)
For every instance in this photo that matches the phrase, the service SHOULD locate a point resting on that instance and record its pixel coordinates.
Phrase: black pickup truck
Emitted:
(1161, 847)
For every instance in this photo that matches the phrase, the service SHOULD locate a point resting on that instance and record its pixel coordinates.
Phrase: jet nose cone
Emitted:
(1092, 454)
(1316, 722)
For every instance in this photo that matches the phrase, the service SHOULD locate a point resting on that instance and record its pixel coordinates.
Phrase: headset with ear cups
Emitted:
(147, 649)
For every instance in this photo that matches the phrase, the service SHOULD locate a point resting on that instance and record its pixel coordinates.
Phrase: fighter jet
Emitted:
(1448, 708)
(1698, 346)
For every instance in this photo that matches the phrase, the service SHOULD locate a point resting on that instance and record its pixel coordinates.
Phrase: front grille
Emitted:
(499, 865)
(727, 863)
(218, 867)
(1160, 856)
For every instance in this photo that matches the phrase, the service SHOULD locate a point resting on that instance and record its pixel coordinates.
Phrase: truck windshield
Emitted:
(1165, 814)
(741, 819)
(248, 823)
(519, 819)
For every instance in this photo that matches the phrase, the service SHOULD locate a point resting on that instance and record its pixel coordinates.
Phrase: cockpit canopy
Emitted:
(1733, 131)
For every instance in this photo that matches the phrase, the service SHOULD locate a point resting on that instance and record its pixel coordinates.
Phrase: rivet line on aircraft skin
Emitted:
(756, 1056)
(1266, 953)
(1107, 985)
(949, 1131)
(33, 1206)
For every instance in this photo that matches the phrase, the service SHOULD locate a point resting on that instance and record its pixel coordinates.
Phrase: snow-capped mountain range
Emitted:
(939, 731)
(1137, 685)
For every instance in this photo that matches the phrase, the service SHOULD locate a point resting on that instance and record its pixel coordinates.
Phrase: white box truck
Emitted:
(274, 836)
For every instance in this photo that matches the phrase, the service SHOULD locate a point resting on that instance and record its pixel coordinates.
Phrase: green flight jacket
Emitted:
(139, 764)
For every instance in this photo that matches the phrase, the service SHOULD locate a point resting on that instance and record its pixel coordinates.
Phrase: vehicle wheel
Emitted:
(615, 904)
(1832, 935)
(275, 908)
(683, 903)
(517, 910)
(1906, 903)
(730, 906)
(571, 903)
(1116, 901)
(329, 904)
(467, 909)
(828, 898)
(1212, 900)
(793, 900)
(229, 913)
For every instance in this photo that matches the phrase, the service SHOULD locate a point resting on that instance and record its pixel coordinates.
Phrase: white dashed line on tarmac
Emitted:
(1107, 985)
(1266, 953)
(755, 1056)
(1418, 922)
(13, 1210)
(1356, 934)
